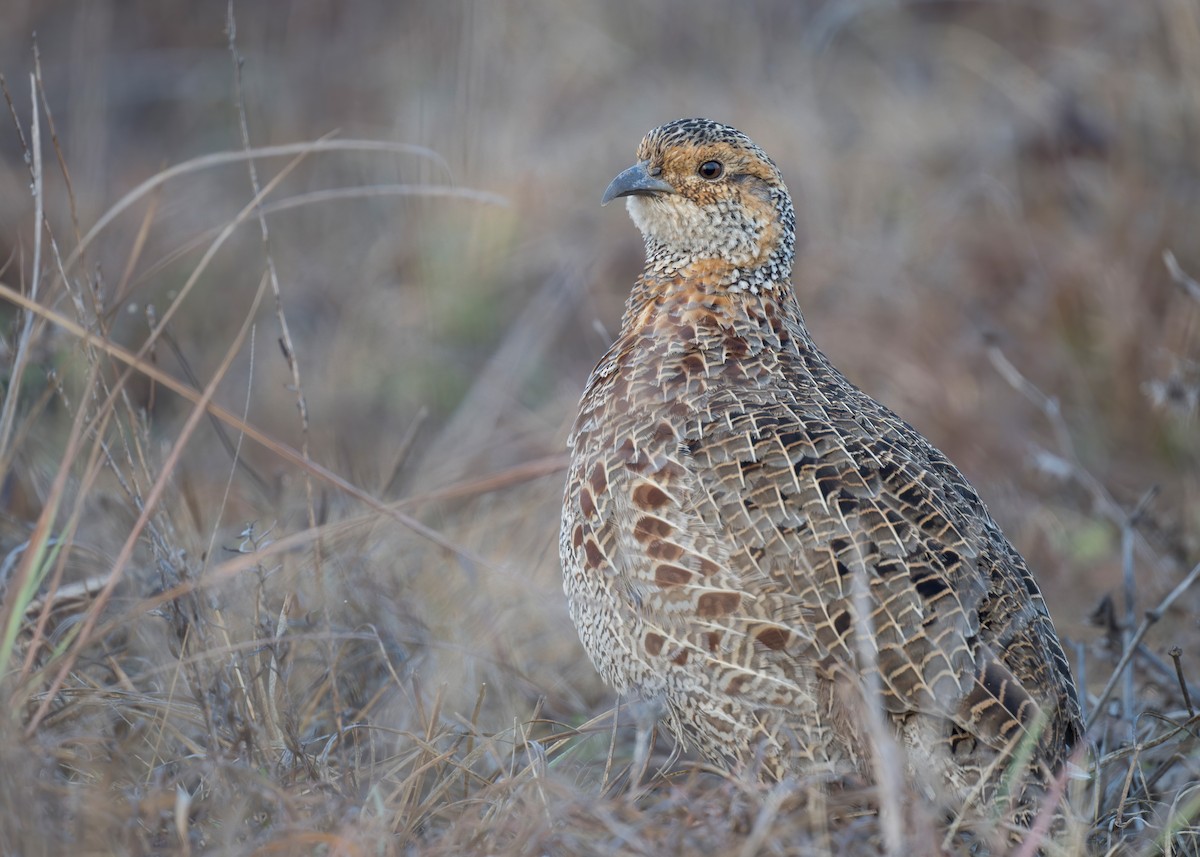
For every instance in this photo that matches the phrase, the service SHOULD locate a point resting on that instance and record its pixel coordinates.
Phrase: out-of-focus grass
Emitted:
(279, 667)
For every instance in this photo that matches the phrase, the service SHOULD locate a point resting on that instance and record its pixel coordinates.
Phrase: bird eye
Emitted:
(711, 170)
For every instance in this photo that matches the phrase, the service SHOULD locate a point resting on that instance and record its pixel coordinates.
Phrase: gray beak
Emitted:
(635, 181)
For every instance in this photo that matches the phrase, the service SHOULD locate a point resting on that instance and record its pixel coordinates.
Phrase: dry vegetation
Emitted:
(281, 448)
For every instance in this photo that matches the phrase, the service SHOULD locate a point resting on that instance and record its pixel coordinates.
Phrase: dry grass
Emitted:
(282, 447)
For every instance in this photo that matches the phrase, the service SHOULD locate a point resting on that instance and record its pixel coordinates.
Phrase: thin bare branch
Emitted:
(1152, 616)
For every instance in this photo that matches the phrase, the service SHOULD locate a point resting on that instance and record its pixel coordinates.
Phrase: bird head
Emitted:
(706, 198)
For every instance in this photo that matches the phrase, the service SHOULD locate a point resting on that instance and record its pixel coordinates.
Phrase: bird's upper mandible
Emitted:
(706, 197)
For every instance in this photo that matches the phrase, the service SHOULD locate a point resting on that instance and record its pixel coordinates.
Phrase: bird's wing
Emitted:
(891, 562)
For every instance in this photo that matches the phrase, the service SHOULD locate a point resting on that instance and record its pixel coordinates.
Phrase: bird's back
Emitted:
(766, 536)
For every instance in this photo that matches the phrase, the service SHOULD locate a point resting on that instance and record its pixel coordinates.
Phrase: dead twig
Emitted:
(1152, 616)
(1176, 655)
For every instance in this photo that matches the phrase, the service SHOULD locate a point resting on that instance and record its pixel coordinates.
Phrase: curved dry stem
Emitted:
(217, 159)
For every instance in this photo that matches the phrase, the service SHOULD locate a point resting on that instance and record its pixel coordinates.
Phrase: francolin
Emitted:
(765, 552)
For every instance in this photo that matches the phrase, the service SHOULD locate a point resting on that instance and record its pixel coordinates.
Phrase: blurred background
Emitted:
(986, 192)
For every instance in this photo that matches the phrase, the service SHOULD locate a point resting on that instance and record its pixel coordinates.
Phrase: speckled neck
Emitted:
(731, 248)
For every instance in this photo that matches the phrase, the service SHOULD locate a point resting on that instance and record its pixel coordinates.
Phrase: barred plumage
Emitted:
(755, 542)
